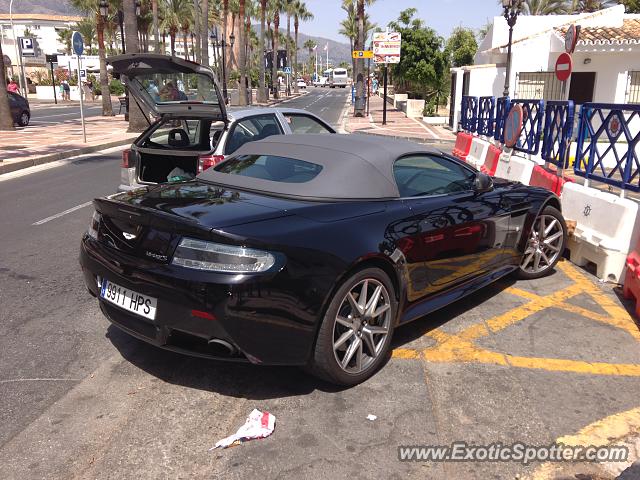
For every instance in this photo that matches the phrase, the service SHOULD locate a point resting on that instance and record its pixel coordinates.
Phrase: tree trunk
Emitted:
(288, 77)
(204, 39)
(196, 29)
(242, 56)
(296, 25)
(156, 28)
(186, 46)
(107, 108)
(274, 73)
(6, 119)
(359, 71)
(173, 44)
(261, 80)
(137, 122)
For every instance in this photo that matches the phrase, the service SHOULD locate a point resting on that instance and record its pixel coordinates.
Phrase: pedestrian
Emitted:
(67, 91)
(12, 86)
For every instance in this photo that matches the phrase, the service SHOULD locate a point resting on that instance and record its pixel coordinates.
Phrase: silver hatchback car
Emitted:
(194, 130)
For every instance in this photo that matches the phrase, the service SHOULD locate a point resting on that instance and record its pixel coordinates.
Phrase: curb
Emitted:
(411, 139)
(53, 157)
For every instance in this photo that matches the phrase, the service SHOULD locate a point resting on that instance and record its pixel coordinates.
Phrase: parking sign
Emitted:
(27, 46)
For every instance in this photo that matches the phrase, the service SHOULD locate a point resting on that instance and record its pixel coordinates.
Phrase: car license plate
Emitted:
(129, 300)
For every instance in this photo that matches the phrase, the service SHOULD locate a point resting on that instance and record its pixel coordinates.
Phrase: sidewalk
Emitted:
(35, 145)
(398, 125)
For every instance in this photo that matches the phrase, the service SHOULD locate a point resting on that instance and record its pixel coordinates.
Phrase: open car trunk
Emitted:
(163, 167)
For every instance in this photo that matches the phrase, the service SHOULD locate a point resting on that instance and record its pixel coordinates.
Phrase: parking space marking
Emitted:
(460, 347)
(607, 431)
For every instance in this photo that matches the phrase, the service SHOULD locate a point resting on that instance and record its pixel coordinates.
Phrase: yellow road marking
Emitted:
(607, 431)
(460, 347)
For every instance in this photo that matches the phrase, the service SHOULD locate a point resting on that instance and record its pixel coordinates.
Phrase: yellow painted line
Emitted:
(406, 354)
(608, 431)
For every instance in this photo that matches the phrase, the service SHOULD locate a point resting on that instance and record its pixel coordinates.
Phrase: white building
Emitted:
(606, 61)
(44, 27)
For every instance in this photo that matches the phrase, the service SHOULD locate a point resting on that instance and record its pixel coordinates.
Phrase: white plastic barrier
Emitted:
(607, 228)
(514, 167)
(478, 152)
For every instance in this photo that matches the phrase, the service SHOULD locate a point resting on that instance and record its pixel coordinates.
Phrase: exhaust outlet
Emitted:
(218, 341)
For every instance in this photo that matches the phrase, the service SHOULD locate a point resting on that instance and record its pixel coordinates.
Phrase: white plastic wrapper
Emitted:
(258, 425)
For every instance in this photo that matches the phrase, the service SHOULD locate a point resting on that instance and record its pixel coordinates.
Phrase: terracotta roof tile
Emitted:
(629, 32)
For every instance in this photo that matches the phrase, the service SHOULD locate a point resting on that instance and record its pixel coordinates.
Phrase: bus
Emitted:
(338, 78)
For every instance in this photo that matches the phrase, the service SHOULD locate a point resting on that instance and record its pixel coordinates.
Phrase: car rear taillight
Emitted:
(208, 161)
(125, 159)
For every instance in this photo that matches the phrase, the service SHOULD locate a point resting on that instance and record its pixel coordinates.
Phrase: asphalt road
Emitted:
(81, 399)
(50, 113)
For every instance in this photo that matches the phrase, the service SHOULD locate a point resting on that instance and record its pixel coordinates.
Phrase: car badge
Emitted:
(128, 236)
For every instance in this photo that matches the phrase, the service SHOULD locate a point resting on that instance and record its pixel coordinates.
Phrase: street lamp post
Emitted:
(225, 93)
(511, 11)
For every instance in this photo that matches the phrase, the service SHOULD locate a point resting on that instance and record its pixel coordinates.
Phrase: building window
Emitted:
(538, 86)
(633, 90)
(36, 27)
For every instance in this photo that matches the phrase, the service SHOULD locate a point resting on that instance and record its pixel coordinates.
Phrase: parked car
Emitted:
(302, 251)
(194, 130)
(301, 83)
(20, 109)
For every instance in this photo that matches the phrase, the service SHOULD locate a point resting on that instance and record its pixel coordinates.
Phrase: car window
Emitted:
(419, 175)
(271, 167)
(305, 124)
(251, 129)
(175, 134)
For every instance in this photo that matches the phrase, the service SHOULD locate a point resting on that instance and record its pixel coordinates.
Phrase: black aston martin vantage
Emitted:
(304, 250)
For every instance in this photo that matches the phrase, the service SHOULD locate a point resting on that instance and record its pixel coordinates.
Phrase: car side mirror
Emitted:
(482, 183)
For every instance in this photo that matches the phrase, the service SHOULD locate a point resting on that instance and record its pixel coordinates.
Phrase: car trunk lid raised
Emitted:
(168, 85)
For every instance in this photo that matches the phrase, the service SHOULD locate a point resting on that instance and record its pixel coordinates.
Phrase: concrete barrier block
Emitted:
(514, 167)
(399, 97)
(610, 264)
(478, 152)
(415, 108)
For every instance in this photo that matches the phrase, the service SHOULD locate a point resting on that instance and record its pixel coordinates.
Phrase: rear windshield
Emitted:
(176, 87)
(270, 167)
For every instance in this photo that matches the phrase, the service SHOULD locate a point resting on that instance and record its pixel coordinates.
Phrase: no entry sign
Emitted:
(564, 65)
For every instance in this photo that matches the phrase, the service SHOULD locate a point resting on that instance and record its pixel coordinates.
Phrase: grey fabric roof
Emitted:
(353, 166)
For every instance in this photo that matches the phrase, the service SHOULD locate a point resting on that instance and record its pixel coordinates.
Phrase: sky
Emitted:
(441, 15)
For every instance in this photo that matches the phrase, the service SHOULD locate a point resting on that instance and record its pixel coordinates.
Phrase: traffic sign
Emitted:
(513, 126)
(362, 54)
(53, 58)
(287, 70)
(77, 42)
(571, 38)
(564, 65)
(27, 46)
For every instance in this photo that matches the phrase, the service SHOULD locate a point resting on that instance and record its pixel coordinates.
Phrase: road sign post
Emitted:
(564, 65)
(386, 49)
(51, 59)
(78, 47)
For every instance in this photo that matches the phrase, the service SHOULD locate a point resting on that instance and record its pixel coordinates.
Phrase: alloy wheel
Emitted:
(544, 244)
(361, 326)
(24, 119)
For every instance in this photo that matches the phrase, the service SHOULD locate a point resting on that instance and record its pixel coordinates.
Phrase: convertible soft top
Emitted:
(354, 167)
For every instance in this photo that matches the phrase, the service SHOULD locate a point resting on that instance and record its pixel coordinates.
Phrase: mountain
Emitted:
(46, 7)
(338, 51)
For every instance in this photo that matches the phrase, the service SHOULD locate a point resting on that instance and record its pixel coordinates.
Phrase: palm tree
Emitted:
(242, 57)
(545, 7)
(277, 7)
(262, 98)
(87, 28)
(92, 7)
(310, 45)
(582, 6)
(358, 72)
(174, 12)
(6, 119)
(185, 26)
(300, 12)
(64, 37)
(137, 119)
(156, 26)
(204, 34)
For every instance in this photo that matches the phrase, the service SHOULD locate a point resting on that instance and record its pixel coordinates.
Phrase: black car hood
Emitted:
(218, 207)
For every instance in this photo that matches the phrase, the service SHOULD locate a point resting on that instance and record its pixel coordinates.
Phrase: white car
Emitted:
(301, 83)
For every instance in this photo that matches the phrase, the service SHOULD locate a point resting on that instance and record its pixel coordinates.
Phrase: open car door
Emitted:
(170, 86)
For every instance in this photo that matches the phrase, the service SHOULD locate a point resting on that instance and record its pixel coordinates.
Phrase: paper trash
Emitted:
(258, 425)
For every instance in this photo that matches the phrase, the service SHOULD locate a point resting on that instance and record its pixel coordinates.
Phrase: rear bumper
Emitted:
(257, 316)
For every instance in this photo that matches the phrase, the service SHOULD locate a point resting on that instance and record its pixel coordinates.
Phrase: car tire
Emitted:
(23, 118)
(545, 246)
(355, 329)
